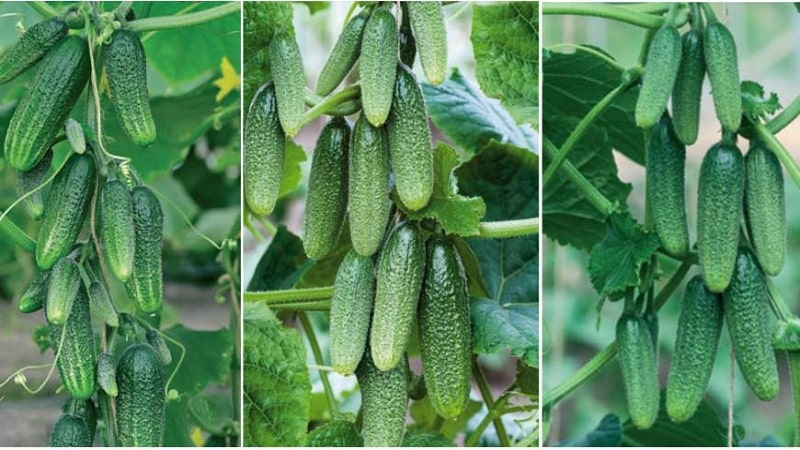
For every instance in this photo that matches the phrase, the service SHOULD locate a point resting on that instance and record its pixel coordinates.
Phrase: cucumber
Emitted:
(141, 398)
(688, 89)
(47, 102)
(383, 403)
(408, 46)
(379, 46)
(115, 214)
(747, 315)
(31, 47)
(661, 69)
(399, 281)
(107, 374)
(30, 180)
(719, 213)
(326, 204)
(666, 188)
(430, 34)
(288, 74)
(343, 56)
(101, 303)
(445, 336)
(66, 210)
(160, 345)
(638, 364)
(145, 286)
(70, 431)
(126, 69)
(351, 306)
(76, 357)
(264, 148)
(35, 295)
(65, 280)
(766, 207)
(410, 142)
(368, 193)
(696, 342)
(85, 410)
(723, 71)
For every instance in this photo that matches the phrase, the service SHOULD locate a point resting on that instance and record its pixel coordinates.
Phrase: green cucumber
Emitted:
(156, 341)
(76, 354)
(30, 180)
(384, 400)
(83, 409)
(723, 71)
(145, 286)
(766, 206)
(288, 74)
(351, 307)
(107, 374)
(31, 47)
(70, 431)
(379, 46)
(115, 214)
(661, 69)
(65, 280)
(688, 89)
(264, 148)
(343, 56)
(141, 398)
(430, 34)
(408, 46)
(35, 295)
(101, 303)
(637, 360)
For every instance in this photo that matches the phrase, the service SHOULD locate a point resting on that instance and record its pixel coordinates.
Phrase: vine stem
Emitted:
(310, 305)
(15, 234)
(43, 9)
(648, 8)
(195, 18)
(273, 298)
(594, 196)
(486, 393)
(323, 375)
(345, 95)
(508, 228)
(780, 151)
(617, 13)
(786, 116)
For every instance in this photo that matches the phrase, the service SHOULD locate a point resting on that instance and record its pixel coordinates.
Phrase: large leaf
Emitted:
(607, 434)
(425, 417)
(261, 20)
(207, 360)
(282, 265)
(513, 327)
(704, 429)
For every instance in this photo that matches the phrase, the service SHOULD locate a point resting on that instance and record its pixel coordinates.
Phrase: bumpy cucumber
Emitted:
(383, 403)
(30, 180)
(747, 316)
(76, 357)
(638, 363)
(410, 142)
(326, 204)
(101, 303)
(408, 46)
(115, 213)
(379, 45)
(766, 207)
(65, 280)
(31, 47)
(141, 397)
(107, 374)
(145, 285)
(399, 281)
(723, 72)
(83, 409)
(661, 69)
(696, 342)
(35, 295)
(160, 345)
(70, 431)
(290, 82)
(445, 336)
(47, 102)
(343, 56)
(351, 307)
(719, 213)
(368, 193)
(66, 209)
(666, 189)
(688, 89)
(264, 147)
(126, 69)
(427, 21)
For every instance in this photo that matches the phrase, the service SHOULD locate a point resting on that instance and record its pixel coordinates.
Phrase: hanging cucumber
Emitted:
(766, 207)
(31, 47)
(264, 148)
(666, 188)
(661, 69)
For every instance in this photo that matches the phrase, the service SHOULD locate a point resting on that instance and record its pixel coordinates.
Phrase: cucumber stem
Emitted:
(605, 11)
(594, 196)
(187, 20)
(323, 375)
(11, 231)
(43, 9)
(345, 95)
(486, 393)
(508, 228)
(786, 116)
(289, 296)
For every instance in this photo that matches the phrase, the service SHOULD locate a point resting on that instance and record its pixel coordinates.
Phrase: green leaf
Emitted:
(513, 327)
(261, 20)
(420, 439)
(505, 39)
(323, 272)
(615, 261)
(211, 412)
(755, 105)
(704, 429)
(315, 7)
(41, 337)
(425, 417)
(292, 173)
(338, 433)
(787, 335)
(282, 264)
(276, 384)
(472, 269)
(176, 429)
(607, 434)
(207, 360)
(174, 223)
(528, 379)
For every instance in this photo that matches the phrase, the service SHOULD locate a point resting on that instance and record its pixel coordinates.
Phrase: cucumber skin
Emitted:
(379, 46)
(70, 431)
(766, 207)
(410, 142)
(65, 281)
(696, 342)
(31, 47)
(30, 180)
(326, 204)
(368, 193)
(343, 55)
(101, 303)
(66, 210)
(399, 282)
(125, 64)
(76, 360)
(115, 212)
(160, 345)
(145, 286)
(445, 334)
(638, 364)
(351, 308)
(430, 34)
(663, 60)
(688, 89)
(141, 398)
(34, 296)
(719, 213)
(47, 102)
(747, 316)
(264, 148)
(107, 374)
(723, 72)
(290, 82)
(666, 187)
(384, 400)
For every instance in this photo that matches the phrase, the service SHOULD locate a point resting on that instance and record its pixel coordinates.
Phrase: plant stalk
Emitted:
(195, 18)
(274, 298)
(315, 350)
(43, 9)
(11, 231)
(605, 11)
(786, 116)
(508, 228)
(592, 194)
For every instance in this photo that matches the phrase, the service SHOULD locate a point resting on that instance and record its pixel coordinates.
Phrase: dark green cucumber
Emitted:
(141, 398)
(384, 400)
(145, 286)
(723, 72)
(66, 209)
(688, 89)
(47, 102)
(719, 213)
(30, 180)
(661, 69)
(666, 188)
(101, 303)
(638, 364)
(408, 46)
(351, 307)
(379, 45)
(31, 47)
(76, 354)
(264, 147)
(326, 204)
(445, 336)
(410, 142)
(70, 431)
(696, 342)
(115, 214)
(65, 280)
(290, 81)
(747, 315)
(107, 374)
(83, 409)
(766, 207)
(430, 34)
(159, 344)
(368, 193)
(126, 69)
(344, 54)
(35, 295)
(399, 282)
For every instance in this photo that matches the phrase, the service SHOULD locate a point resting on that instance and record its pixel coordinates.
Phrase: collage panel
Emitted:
(390, 250)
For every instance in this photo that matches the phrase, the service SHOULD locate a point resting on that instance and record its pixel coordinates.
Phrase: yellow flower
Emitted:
(229, 81)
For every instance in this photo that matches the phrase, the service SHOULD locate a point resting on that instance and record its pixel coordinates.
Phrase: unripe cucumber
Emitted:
(696, 342)
(290, 81)
(145, 286)
(766, 207)
(115, 214)
(35, 295)
(638, 364)
(101, 303)
(264, 147)
(107, 374)
(368, 193)
(723, 72)
(383, 403)
(141, 398)
(399, 281)
(76, 357)
(719, 213)
(65, 280)
(661, 69)
(343, 56)
(747, 315)
(379, 45)
(688, 89)
(160, 345)
(30, 180)
(410, 142)
(430, 34)
(351, 307)
(31, 47)
(70, 431)
(445, 335)
(326, 204)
